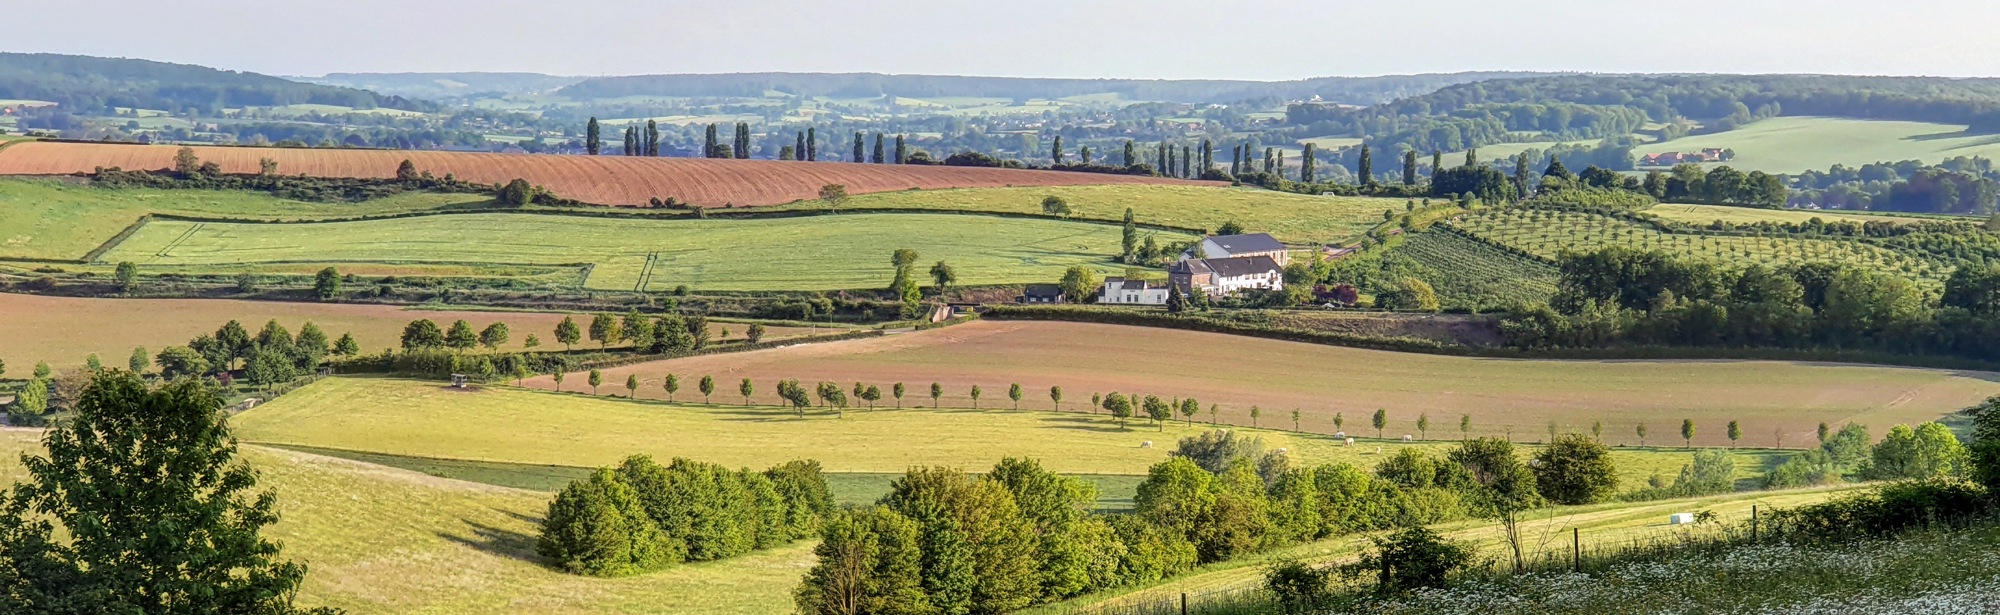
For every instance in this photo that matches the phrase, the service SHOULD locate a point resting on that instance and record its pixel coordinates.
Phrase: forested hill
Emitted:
(1708, 98)
(90, 85)
(1343, 90)
(434, 86)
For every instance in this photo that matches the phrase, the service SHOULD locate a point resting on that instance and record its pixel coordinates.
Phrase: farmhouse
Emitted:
(1042, 293)
(1120, 291)
(1226, 276)
(1239, 246)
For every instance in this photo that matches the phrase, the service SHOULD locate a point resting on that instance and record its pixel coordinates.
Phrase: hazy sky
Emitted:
(1247, 39)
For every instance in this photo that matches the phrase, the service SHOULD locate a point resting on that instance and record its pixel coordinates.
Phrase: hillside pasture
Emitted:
(603, 180)
(50, 219)
(1796, 144)
(1237, 373)
(516, 436)
(801, 253)
(64, 330)
(1292, 218)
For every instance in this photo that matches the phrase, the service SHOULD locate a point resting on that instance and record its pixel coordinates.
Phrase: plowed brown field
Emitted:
(607, 180)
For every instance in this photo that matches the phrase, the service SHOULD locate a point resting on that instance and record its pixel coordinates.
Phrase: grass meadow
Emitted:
(1237, 373)
(807, 253)
(51, 219)
(1704, 214)
(1293, 218)
(1795, 144)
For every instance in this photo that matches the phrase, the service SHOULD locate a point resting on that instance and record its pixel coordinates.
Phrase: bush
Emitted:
(1574, 469)
(597, 527)
(1299, 587)
(1414, 558)
(1885, 511)
(1216, 450)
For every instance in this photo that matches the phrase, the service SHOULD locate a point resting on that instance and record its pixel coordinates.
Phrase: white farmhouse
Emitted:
(1228, 276)
(1120, 291)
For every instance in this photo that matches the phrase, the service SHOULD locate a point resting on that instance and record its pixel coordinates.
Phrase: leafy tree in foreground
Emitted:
(460, 337)
(597, 526)
(1575, 470)
(421, 334)
(155, 512)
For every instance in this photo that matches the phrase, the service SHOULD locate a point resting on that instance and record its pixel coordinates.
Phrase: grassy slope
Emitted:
(502, 424)
(54, 220)
(381, 540)
(1794, 144)
(1240, 372)
(1292, 218)
(816, 253)
(64, 330)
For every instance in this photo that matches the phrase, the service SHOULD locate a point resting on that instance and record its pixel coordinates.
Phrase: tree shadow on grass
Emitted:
(499, 541)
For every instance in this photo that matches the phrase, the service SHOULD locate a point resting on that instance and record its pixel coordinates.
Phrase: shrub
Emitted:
(1928, 451)
(1414, 558)
(597, 527)
(1574, 469)
(1216, 450)
(1885, 511)
(1298, 587)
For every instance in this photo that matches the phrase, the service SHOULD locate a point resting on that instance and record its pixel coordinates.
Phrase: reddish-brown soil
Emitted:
(606, 180)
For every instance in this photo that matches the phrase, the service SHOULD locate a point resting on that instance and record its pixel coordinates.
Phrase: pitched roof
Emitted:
(1190, 266)
(1124, 284)
(1242, 266)
(1257, 242)
(1042, 290)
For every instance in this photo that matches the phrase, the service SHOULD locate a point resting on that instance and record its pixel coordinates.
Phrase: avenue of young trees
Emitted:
(641, 516)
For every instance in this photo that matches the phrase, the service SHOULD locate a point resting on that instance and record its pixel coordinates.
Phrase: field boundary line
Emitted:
(737, 214)
(167, 251)
(646, 272)
(109, 244)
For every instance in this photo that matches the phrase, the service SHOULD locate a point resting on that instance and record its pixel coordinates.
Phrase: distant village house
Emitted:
(1241, 246)
(1228, 276)
(1121, 291)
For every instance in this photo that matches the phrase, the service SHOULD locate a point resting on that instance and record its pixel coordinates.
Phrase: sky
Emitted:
(1150, 39)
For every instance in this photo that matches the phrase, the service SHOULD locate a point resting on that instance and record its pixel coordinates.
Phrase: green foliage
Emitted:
(422, 334)
(1215, 450)
(1413, 558)
(980, 550)
(1929, 451)
(643, 516)
(326, 283)
(868, 561)
(597, 526)
(153, 507)
(1575, 470)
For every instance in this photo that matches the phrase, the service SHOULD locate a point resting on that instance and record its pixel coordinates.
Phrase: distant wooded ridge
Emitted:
(1348, 90)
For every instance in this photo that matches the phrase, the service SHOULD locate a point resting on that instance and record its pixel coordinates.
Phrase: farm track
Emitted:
(604, 180)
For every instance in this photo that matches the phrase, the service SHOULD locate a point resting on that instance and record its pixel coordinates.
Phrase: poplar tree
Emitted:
(812, 143)
(652, 138)
(1268, 152)
(1472, 157)
(1306, 164)
(591, 133)
(860, 148)
(1410, 168)
(877, 158)
(1164, 169)
(1367, 166)
(1131, 153)
(799, 151)
(743, 140)
(708, 143)
(1187, 161)
(1437, 163)
(1056, 153)
(902, 150)
(1236, 160)
(1207, 157)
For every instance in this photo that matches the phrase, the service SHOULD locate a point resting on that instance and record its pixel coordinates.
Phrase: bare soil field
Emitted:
(64, 330)
(605, 180)
(1774, 400)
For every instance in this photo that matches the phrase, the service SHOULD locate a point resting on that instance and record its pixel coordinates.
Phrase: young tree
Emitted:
(140, 505)
(1055, 395)
(944, 276)
(632, 386)
(346, 346)
(975, 397)
(461, 338)
(567, 333)
(558, 376)
(1188, 409)
(1119, 406)
(596, 378)
(872, 394)
(419, 334)
(1464, 426)
(1505, 488)
(745, 387)
(1213, 411)
(1157, 410)
(937, 391)
(140, 361)
(754, 334)
(1424, 426)
(834, 195)
(1014, 393)
(707, 388)
(1687, 433)
(606, 330)
(493, 336)
(1381, 421)
(127, 275)
(1575, 470)
(1254, 413)
(1079, 283)
(1597, 431)
(1735, 433)
(672, 385)
(1641, 431)
(898, 391)
(1295, 419)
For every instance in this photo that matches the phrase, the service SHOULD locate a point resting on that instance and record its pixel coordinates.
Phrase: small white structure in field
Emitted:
(1146, 444)
(1340, 434)
(1350, 441)
(1680, 519)
(1407, 438)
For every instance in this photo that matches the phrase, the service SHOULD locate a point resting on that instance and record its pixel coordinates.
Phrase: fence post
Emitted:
(1753, 523)
(1183, 603)
(1576, 548)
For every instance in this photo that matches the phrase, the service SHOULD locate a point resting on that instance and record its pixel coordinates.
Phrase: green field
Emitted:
(49, 219)
(1795, 144)
(1293, 218)
(1547, 233)
(804, 253)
